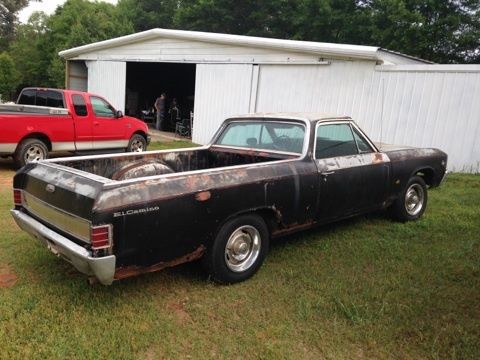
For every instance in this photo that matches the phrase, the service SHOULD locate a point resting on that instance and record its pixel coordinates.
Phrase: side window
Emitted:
(334, 140)
(362, 144)
(79, 105)
(101, 107)
(27, 97)
(55, 99)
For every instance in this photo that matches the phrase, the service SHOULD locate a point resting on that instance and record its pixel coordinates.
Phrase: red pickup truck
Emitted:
(49, 120)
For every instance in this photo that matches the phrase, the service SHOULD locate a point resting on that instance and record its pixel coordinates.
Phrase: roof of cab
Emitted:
(313, 116)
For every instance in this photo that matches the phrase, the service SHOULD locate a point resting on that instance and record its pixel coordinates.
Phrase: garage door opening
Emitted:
(146, 81)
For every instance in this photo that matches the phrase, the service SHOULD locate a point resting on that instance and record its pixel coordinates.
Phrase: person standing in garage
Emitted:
(160, 107)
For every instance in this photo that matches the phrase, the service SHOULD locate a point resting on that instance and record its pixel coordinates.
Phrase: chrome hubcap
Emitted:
(414, 198)
(137, 146)
(34, 153)
(243, 248)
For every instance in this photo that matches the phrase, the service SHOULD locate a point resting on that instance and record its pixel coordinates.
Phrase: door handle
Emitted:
(326, 173)
(96, 123)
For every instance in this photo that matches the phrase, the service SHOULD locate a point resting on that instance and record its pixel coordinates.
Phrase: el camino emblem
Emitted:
(50, 188)
(136, 211)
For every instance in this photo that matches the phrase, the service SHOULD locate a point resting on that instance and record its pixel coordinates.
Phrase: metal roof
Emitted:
(309, 47)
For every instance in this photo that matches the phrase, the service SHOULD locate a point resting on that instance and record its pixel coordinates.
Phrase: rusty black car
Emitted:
(262, 176)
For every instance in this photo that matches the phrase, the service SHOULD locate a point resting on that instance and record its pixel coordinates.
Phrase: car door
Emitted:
(82, 123)
(352, 175)
(108, 130)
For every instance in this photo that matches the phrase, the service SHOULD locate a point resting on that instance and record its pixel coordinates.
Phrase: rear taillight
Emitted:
(17, 197)
(101, 237)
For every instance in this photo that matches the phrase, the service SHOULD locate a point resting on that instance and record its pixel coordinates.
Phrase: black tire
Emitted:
(137, 143)
(412, 201)
(30, 150)
(248, 240)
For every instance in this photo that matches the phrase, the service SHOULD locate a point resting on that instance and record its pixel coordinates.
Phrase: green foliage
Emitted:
(9, 76)
(76, 23)
(28, 51)
(440, 31)
(148, 14)
(437, 30)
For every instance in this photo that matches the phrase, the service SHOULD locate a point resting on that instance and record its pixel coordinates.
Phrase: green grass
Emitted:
(363, 288)
(177, 144)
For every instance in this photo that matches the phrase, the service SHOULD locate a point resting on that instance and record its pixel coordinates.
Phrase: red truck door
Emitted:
(82, 123)
(108, 130)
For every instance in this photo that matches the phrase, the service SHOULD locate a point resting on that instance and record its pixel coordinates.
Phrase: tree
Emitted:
(28, 51)
(76, 23)
(440, 31)
(8, 19)
(149, 14)
(9, 76)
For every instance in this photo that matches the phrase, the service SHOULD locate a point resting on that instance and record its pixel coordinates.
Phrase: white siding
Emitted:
(221, 90)
(434, 106)
(108, 79)
(426, 105)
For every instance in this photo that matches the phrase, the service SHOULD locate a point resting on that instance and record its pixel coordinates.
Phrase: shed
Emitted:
(394, 97)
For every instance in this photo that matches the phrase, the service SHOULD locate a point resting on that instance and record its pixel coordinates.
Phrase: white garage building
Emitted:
(394, 97)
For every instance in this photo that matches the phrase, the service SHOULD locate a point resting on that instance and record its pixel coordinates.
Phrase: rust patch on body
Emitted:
(126, 272)
(377, 158)
(293, 228)
(203, 196)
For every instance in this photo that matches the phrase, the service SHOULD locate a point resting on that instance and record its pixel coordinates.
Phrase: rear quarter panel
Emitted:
(167, 217)
(406, 163)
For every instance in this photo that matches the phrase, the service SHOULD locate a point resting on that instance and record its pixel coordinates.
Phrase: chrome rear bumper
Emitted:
(102, 268)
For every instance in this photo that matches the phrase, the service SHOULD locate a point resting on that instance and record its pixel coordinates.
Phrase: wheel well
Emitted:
(427, 174)
(141, 133)
(42, 137)
(269, 215)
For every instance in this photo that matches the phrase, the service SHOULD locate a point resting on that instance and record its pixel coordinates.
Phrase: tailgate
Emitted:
(59, 197)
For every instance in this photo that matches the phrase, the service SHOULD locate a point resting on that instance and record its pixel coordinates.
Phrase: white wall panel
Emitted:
(108, 79)
(221, 90)
(417, 105)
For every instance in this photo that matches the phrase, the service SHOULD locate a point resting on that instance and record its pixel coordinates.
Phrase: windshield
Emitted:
(265, 135)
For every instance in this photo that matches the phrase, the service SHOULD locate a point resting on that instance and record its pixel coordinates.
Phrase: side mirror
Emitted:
(118, 114)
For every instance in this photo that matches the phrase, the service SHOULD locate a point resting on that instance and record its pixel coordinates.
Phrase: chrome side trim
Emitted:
(103, 268)
(69, 223)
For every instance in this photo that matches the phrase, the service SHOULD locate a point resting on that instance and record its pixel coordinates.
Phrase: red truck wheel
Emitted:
(30, 150)
(137, 143)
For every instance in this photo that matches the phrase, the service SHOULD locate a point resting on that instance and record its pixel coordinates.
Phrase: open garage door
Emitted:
(148, 80)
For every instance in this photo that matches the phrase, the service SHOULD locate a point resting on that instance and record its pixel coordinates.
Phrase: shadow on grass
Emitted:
(327, 229)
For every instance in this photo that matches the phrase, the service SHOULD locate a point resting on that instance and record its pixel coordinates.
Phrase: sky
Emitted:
(47, 6)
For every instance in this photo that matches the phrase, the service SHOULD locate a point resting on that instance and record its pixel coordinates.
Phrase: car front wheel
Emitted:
(412, 202)
(238, 250)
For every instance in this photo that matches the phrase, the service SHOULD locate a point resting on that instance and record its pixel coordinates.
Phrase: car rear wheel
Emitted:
(30, 150)
(137, 143)
(238, 250)
(412, 202)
